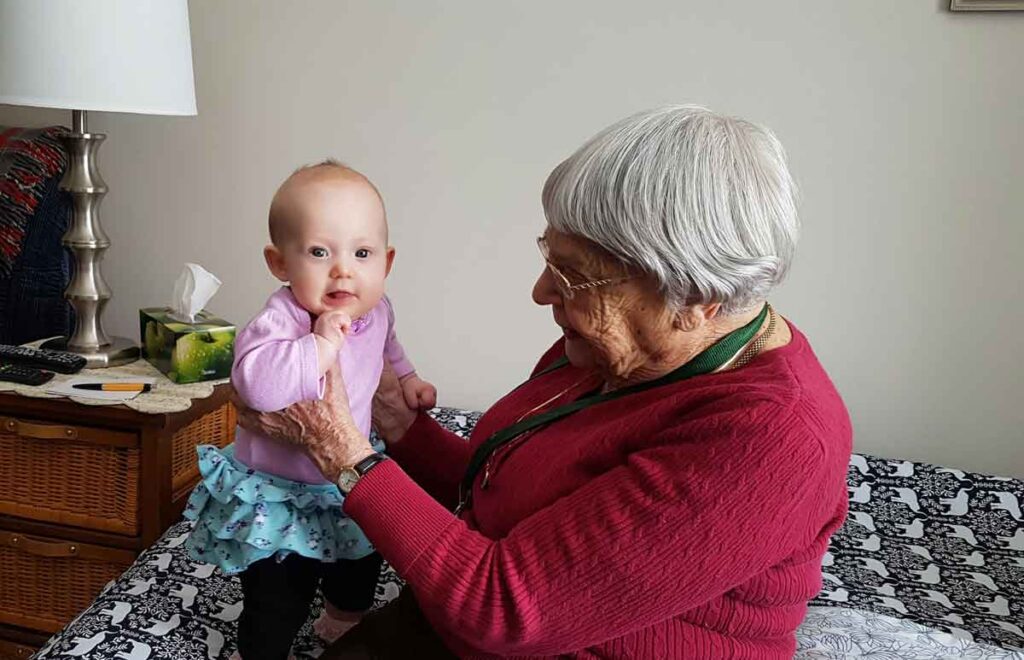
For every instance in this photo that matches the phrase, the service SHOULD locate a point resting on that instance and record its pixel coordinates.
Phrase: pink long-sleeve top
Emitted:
(276, 365)
(688, 521)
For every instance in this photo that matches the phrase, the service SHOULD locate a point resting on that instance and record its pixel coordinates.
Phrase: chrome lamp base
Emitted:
(119, 351)
(88, 292)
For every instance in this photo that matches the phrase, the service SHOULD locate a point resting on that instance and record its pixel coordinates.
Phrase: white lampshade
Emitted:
(108, 55)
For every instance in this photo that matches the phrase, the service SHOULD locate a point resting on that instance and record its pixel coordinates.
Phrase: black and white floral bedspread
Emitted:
(938, 546)
(930, 564)
(835, 633)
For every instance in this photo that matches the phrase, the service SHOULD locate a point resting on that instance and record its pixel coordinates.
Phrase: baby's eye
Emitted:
(318, 252)
(362, 253)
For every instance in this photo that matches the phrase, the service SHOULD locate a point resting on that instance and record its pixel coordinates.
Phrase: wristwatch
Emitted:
(350, 476)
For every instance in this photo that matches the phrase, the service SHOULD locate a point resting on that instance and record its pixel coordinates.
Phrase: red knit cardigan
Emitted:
(687, 521)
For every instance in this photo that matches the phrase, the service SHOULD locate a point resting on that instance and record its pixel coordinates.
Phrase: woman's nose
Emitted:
(544, 290)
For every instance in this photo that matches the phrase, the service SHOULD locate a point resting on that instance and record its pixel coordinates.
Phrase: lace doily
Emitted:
(165, 397)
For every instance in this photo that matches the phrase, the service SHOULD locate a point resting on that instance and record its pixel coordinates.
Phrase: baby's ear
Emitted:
(391, 260)
(275, 262)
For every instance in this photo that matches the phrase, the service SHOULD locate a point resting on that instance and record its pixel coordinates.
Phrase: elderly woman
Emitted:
(665, 483)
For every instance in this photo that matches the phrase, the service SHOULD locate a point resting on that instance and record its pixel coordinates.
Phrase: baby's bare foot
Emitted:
(333, 623)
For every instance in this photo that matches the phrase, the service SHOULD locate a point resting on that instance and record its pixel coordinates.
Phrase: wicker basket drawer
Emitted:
(70, 475)
(44, 583)
(214, 428)
(14, 651)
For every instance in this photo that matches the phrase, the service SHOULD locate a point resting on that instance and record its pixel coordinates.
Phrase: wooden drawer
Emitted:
(14, 651)
(71, 475)
(44, 583)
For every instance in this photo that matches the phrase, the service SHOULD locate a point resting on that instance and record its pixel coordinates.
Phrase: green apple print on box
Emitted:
(203, 355)
(187, 352)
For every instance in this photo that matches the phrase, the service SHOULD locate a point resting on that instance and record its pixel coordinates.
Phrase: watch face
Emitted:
(347, 479)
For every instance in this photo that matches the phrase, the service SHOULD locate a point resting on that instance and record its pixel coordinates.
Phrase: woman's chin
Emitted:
(577, 350)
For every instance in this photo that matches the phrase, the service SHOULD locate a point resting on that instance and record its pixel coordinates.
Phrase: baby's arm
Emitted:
(418, 392)
(329, 332)
(277, 363)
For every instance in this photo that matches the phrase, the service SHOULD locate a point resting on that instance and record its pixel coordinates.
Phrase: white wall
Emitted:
(904, 124)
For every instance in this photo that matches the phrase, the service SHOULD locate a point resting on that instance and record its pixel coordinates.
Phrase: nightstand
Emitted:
(83, 490)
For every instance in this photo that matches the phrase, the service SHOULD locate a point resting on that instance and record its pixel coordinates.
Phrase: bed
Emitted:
(930, 564)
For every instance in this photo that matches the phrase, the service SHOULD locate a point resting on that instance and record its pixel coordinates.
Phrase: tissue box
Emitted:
(187, 352)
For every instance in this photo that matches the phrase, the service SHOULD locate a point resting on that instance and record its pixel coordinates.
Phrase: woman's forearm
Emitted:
(433, 456)
(332, 455)
(533, 590)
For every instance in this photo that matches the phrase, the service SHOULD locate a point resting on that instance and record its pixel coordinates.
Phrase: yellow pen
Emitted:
(114, 387)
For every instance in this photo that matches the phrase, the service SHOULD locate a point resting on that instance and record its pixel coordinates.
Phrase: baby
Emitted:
(263, 509)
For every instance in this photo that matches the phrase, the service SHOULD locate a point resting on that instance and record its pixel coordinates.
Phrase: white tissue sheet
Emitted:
(192, 290)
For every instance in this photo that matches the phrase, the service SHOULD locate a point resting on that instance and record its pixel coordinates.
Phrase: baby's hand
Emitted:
(333, 326)
(418, 392)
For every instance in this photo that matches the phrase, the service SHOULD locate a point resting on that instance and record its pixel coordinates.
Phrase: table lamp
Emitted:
(94, 55)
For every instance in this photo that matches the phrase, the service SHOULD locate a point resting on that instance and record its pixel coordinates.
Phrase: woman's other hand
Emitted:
(324, 428)
(392, 415)
(418, 392)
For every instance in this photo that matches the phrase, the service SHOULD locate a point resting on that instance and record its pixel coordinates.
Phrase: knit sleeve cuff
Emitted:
(399, 517)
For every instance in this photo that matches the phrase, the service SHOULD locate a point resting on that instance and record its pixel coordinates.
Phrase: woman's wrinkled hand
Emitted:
(324, 428)
(392, 416)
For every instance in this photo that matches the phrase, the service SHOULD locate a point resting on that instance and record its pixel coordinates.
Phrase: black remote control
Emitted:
(19, 373)
(41, 358)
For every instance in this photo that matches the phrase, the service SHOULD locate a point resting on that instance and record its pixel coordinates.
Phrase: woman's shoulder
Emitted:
(813, 395)
(789, 376)
(784, 394)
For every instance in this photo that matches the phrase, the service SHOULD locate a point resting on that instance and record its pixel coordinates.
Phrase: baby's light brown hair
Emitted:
(278, 219)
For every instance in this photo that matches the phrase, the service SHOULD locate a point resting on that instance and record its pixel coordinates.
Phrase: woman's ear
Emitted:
(711, 311)
(275, 262)
(687, 319)
(692, 317)
(391, 260)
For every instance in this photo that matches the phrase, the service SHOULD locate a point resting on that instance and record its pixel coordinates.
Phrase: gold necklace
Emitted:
(744, 355)
(544, 403)
(751, 349)
(492, 462)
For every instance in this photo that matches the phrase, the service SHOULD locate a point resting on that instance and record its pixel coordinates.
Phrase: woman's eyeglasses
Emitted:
(565, 287)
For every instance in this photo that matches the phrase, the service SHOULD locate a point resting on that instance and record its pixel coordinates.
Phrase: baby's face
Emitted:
(334, 252)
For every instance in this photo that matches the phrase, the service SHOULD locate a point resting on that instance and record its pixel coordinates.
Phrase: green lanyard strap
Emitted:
(707, 361)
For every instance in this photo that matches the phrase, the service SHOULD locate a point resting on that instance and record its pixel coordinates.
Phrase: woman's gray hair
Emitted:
(702, 202)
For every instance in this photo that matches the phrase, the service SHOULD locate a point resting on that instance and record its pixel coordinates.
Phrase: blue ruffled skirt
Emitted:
(244, 515)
